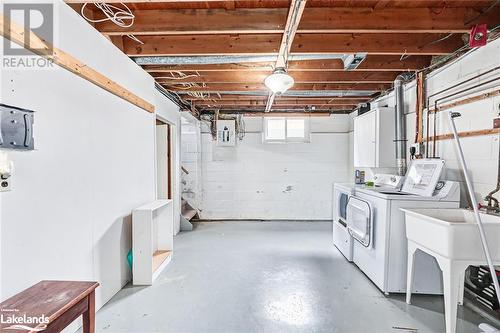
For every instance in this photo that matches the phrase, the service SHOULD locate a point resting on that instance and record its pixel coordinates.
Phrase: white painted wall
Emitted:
(481, 152)
(69, 213)
(293, 181)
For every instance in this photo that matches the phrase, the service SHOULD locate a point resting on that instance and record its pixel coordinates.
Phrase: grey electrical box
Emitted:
(16, 128)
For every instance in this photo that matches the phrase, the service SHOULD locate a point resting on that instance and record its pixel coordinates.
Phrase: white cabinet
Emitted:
(374, 139)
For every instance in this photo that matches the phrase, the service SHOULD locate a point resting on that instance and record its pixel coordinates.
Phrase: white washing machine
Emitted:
(377, 226)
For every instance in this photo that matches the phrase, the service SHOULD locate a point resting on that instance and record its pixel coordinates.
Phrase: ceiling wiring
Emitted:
(122, 17)
(178, 75)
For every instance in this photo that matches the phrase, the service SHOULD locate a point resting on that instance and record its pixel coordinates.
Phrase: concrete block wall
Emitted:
(481, 152)
(191, 159)
(257, 180)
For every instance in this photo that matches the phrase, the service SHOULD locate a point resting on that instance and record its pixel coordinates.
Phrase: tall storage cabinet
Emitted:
(374, 139)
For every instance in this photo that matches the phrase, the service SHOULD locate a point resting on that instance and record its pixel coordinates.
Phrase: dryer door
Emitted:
(360, 220)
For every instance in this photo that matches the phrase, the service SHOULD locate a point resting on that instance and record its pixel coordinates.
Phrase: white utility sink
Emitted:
(452, 237)
(453, 233)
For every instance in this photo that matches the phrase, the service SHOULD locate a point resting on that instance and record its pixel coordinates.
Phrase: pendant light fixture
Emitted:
(279, 81)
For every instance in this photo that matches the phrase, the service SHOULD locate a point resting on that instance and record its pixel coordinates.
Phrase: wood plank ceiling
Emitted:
(396, 37)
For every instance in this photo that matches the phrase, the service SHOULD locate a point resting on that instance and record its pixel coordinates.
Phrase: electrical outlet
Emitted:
(4, 184)
(418, 148)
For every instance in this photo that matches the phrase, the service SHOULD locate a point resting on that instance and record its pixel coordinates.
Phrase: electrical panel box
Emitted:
(16, 128)
(226, 133)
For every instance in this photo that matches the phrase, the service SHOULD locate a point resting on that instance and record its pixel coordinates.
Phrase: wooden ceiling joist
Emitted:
(389, 36)
(268, 44)
(258, 77)
(314, 20)
(300, 86)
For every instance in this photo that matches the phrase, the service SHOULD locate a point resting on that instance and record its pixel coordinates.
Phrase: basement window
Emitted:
(282, 130)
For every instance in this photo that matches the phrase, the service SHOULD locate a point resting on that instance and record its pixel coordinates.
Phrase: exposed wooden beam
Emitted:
(268, 44)
(206, 44)
(201, 21)
(300, 86)
(314, 20)
(393, 20)
(387, 43)
(488, 131)
(377, 63)
(16, 33)
(258, 77)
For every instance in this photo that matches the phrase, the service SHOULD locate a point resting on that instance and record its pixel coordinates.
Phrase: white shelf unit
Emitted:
(152, 240)
(374, 139)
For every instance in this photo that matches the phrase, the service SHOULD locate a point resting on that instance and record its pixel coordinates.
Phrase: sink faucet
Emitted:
(490, 209)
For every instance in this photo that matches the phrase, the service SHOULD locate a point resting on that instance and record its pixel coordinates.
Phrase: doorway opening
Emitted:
(164, 179)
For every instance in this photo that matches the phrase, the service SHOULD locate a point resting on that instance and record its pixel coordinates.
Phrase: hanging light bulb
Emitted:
(279, 81)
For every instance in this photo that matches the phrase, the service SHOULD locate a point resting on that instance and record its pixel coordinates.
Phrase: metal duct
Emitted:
(400, 129)
(351, 61)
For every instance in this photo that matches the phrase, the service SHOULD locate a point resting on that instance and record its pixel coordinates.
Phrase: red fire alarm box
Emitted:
(478, 35)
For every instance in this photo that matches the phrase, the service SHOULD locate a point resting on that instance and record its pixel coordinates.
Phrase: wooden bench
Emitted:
(60, 302)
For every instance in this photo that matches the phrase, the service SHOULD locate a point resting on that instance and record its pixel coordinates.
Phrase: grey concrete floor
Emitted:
(267, 277)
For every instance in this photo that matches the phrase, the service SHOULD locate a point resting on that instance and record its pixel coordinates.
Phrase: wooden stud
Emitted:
(468, 100)
(420, 107)
(465, 134)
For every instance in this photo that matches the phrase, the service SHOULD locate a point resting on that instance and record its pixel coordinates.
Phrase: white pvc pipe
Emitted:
(470, 189)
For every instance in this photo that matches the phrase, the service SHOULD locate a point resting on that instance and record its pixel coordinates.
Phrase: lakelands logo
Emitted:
(17, 321)
(29, 31)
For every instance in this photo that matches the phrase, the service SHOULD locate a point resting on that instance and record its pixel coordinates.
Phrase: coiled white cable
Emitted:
(123, 17)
